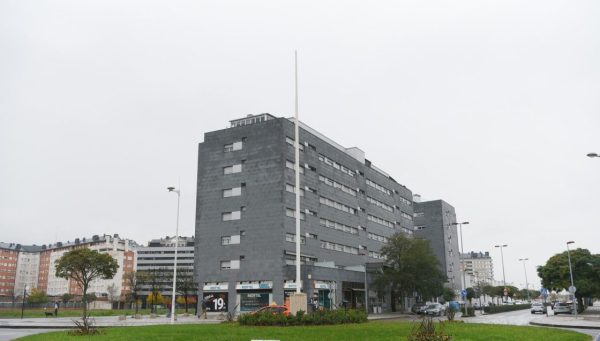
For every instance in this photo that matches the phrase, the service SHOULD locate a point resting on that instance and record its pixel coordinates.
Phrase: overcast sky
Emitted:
(489, 105)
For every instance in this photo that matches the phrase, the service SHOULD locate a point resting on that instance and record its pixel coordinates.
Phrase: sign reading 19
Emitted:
(219, 303)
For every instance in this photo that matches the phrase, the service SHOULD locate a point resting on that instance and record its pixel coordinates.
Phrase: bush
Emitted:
(320, 317)
(427, 331)
(470, 312)
(504, 308)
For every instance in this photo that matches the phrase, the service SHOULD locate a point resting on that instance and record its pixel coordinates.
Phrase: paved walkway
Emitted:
(101, 321)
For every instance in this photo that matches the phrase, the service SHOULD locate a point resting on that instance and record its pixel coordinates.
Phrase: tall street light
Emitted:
(572, 289)
(592, 155)
(462, 263)
(172, 189)
(526, 283)
(502, 257)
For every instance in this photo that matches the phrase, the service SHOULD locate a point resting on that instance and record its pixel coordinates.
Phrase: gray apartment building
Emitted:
(433, 221)
(159, 255)
(245, 209)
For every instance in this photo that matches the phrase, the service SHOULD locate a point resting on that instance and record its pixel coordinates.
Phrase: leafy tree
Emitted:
(156, 280)
(156, 298)
(470, 294)
(186, 285)
(37, 296)
(448, 294)
(66, 298)
(134, 281)
(84, 266)
(586, 274)
(410, 267)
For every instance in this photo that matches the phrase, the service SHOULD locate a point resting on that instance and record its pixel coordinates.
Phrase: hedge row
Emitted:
(503, 308)
(319, 317)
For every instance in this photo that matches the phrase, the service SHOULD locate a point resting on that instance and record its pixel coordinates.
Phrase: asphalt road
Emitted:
(7, 334)
(522, 318)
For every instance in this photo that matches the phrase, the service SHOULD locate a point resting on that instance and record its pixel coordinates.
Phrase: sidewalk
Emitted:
(102, 321)
(589, 319)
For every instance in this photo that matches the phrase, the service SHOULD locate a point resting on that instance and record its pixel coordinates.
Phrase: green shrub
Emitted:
(470, 312)
(504, 308)
(320, 317)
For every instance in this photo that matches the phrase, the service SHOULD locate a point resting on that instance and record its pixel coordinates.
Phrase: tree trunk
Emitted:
(185, 297)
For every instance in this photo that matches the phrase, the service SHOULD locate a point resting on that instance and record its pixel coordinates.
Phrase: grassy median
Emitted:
(377, 330)
(39, 312)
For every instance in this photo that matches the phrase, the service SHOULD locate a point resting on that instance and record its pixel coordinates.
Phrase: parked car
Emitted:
(538, 307)
(562, 308)
(418, 308)
(435, 309)
(274, 309)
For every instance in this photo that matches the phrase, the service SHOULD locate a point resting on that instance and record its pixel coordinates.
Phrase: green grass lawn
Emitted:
(39, 312)
(377, 330)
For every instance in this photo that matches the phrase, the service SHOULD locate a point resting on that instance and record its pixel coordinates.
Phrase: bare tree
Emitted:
(134, 280)
(113, 293)
(186, 285)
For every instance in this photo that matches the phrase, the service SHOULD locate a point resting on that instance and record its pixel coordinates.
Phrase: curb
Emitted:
(562, 325)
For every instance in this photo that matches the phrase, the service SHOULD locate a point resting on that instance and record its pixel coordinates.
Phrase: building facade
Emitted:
(160, 255)
(245, 216)
(479, 265)
(433, 221)
(28, 267)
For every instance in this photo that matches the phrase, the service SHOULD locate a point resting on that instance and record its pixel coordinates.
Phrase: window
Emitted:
(339, 247)
(232, 169)
(290, 237)
(335, 165)
(376, 255)
(235, 215)
(406, 215)
(337, 185)
(232, 192)
(230, 264)
(378, 187)
(420, 227)
(380, 221)
(311, 212)
(311, 235)
(380, 204)
(291, 165)
(232, 147)
(405, 201)
(337, 205)
(338, 226)
(378, 237)
(418, 214)
(230, 240)
(292, 213)
(292, 189)
(290, 141)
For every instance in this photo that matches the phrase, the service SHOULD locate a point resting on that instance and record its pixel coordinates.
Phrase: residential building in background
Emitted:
(479, 265)
(245, 209)
(433, 221)
(28, 267)
(9, 254)
(34, 266)
(160, 255)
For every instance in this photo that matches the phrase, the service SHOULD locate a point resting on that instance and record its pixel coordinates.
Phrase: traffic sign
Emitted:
(463, 293)
(572, 289)
(544, 292)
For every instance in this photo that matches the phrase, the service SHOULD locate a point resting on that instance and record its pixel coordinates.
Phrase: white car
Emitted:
(562, 308)
(436, 309)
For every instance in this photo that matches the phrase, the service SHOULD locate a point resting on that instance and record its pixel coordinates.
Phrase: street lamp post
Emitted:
(502, 257)
(526, 282)
(23, 302)
(571, 273)
(462, 262)
(172, 189)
